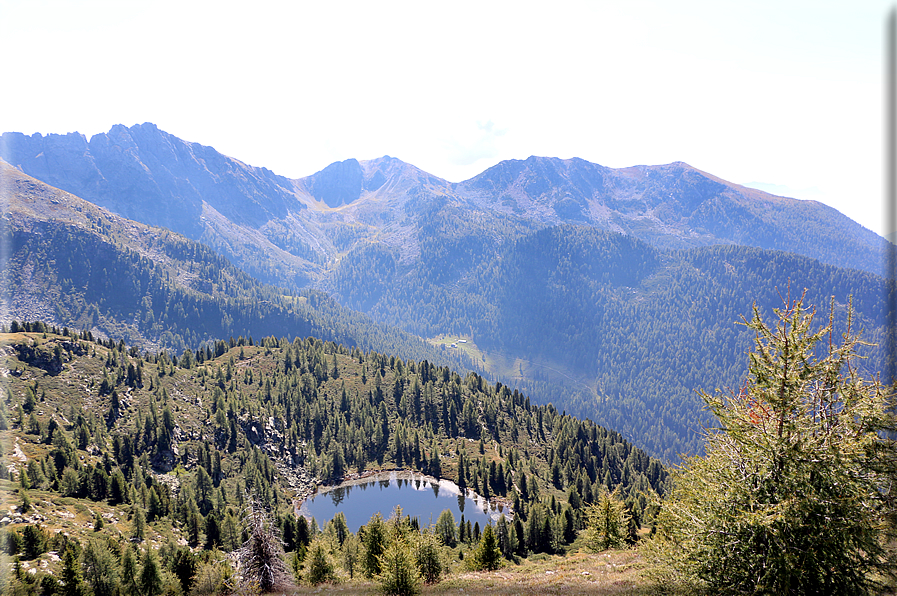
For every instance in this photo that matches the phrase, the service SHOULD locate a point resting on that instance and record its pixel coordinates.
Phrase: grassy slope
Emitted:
(613, 573)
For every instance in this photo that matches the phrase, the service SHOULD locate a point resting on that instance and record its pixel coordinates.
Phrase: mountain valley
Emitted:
(570, 278)
(192, 346)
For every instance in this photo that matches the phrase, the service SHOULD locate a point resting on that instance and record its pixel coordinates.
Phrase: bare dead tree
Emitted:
(261, 558)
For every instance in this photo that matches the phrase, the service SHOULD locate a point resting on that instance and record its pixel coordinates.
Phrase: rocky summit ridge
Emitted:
(299, 227)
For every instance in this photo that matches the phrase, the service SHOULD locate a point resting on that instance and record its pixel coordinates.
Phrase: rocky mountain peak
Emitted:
(340, 183)
(149, 175)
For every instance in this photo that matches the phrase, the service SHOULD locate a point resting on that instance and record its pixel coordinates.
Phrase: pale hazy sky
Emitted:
(773, 92)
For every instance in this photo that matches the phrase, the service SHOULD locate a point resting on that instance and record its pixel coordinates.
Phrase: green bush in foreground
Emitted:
(795, 490)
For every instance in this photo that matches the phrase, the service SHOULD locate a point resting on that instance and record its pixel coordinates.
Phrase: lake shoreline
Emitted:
(495, 504)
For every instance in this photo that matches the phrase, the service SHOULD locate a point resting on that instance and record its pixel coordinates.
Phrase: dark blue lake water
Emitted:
(419, 496)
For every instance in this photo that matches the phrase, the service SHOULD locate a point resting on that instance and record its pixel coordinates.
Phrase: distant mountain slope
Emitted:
(605, 325)
(150, 176)
(674, 206)
(70, 263)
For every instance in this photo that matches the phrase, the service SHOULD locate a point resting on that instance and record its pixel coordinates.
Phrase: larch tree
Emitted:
(795, 492)
(608, 522)
(487, 556)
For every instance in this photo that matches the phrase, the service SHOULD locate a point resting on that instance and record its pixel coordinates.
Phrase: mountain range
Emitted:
(611, 292)
(299, 226)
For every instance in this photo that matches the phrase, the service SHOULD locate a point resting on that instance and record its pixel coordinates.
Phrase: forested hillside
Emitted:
(606, 326)
(73, 264)
(107, 442)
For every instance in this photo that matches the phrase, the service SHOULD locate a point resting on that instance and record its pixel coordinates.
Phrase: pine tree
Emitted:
(794, 492)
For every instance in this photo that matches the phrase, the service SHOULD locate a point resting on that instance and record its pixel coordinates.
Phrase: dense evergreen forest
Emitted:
(167, 449)
(634, 330)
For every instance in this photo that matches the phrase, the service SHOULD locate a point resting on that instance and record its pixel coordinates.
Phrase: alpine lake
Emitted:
(419, 496)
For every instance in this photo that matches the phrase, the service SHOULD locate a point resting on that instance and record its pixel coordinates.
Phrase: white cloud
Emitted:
(468, 149)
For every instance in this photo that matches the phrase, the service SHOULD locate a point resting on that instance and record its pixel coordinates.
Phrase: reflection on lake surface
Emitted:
(419, 496)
